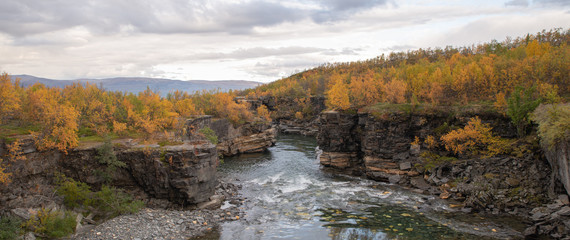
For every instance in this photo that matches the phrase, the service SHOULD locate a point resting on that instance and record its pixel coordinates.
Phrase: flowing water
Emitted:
(289, 196)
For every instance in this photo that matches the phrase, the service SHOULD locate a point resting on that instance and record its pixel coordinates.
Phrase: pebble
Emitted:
(163, 224)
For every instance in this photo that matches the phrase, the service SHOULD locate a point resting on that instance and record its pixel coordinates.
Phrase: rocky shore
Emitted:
(177, 182)
(380, 147)
(170, 224)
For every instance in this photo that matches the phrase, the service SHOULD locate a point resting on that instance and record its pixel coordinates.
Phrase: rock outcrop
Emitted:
(380, 147)
(247, 138)
(559, 158)
(183, 175)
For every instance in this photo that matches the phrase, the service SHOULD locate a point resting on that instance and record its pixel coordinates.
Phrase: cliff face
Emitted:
(559, 158)
(380, 147)
(184, 174)
(247, 138)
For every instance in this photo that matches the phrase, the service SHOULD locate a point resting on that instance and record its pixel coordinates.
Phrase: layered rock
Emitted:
(559, 158)
(339, 141)
(183, 175)
(249, 144)
(247, 138)
(379, 146)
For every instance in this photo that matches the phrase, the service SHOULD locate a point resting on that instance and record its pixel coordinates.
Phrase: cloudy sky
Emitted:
(260, 40)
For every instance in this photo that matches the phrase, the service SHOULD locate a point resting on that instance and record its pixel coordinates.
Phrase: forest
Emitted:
(482, 73)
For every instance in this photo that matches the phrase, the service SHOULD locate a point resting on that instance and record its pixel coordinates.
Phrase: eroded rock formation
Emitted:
(183, 175)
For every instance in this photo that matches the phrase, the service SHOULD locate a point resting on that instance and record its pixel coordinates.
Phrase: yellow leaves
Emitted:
(431, 142)
(9, 100)
(299, 115)
(395, 91)
(15, 152)
(4, 176)
(476, 138)
(337, 96)
(119, 128)
(405, 215)
(263, 112)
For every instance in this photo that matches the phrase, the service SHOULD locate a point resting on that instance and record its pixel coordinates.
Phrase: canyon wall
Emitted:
(379, 146)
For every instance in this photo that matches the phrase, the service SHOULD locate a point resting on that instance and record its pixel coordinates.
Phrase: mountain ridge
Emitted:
(139, 84)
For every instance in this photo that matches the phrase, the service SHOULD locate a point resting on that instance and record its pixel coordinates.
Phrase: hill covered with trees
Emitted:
(488, 72)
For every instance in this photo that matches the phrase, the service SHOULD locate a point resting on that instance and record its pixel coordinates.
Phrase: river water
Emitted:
(289, 196)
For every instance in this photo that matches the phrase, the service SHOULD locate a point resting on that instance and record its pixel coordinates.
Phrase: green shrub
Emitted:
(113, 202)
(10, 228)
(109, 202)
(553, 123)
(52, 224)
(519, 105)
(209, 134)
(106, 155)
(74, 193)
(431, 160)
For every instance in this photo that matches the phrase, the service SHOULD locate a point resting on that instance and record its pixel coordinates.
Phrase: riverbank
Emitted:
(400, 146)
(170, 224)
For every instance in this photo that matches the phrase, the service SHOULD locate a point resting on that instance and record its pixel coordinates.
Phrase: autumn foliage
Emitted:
(486, 72)
(475, 138)
(62, 115)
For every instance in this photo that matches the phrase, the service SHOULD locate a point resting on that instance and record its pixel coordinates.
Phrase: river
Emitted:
(289, 196)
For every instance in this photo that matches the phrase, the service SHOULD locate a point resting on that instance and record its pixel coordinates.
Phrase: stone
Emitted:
(555, 205)
(513, 182)
(563, 198)
(22, 213)
(539, 213)
(29, 236)
(401, 156)
(530, 231)
(415, 150)
(213, 204)
(564, 211)
(444, 195)
(420, 183)
(405, 165)
(394, 179)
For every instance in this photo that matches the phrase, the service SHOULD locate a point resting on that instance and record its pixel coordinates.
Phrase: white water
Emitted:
(289, 196)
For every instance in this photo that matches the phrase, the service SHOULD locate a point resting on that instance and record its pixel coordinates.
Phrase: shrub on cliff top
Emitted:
(209, 134)
(519, 106)
(553, 123)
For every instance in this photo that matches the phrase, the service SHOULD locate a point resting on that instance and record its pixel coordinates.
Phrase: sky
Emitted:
(258, 40)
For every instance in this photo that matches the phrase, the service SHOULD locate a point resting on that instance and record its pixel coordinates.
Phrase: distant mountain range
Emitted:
(139, 84)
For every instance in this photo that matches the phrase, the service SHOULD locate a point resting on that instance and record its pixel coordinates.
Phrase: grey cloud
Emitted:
(553, 3)
(398, 48)
(351, 4)
(258, 52)
(334, 10)
(344, 51)
(28, 17)
(517, 3)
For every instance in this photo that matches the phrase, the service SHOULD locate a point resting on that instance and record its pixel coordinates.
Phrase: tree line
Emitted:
(58, 117)
(487, 72)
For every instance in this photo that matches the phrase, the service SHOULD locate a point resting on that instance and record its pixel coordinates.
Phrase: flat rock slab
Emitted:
(420, 183)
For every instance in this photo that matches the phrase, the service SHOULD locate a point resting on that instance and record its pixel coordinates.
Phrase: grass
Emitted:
(381, 110)
(11, 129)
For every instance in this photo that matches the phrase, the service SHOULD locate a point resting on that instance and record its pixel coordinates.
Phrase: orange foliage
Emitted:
(337, 96)
(395, 91)
(474, 139)
(9, 101)
(263, 112)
